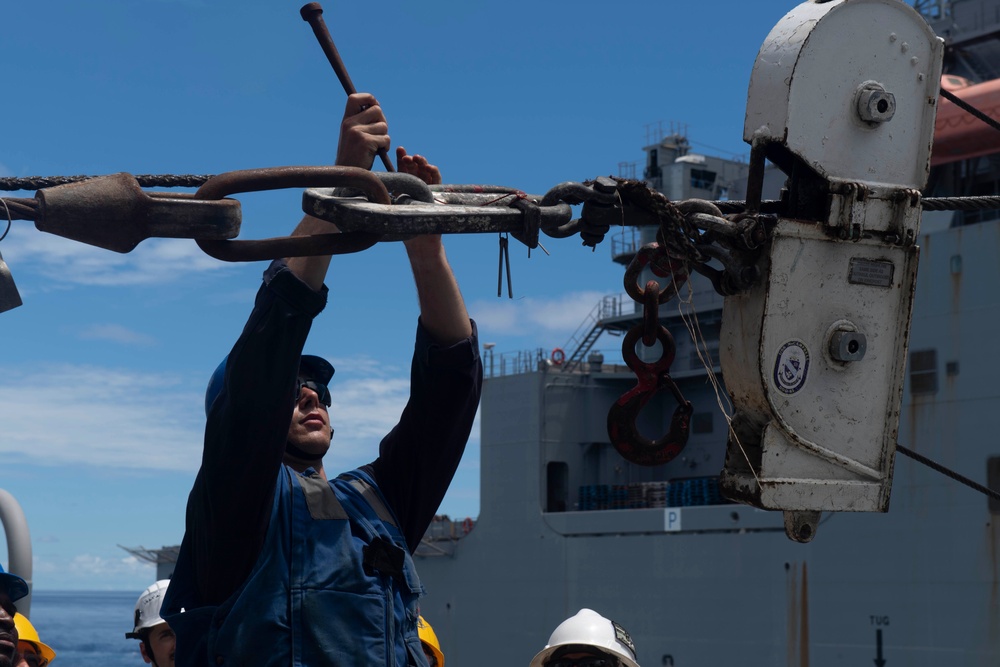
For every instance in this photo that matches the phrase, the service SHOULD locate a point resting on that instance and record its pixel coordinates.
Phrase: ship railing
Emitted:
(442, 534)
(608, 308)
(513, 363)
(625, 243)
(539, 360)
(679, 492)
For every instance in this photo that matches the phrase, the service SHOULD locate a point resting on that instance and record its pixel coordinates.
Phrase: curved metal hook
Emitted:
(650, 378)
(277, 178)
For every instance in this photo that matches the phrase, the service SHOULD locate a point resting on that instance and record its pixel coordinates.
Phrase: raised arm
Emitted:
(442, 310)
(363, 131)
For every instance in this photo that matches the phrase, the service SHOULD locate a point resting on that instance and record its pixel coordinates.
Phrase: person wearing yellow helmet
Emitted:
(31, 650)
(429, 642)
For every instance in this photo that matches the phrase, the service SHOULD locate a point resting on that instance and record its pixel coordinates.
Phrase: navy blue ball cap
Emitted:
(317, 368)
(215, 384)
(15, 587)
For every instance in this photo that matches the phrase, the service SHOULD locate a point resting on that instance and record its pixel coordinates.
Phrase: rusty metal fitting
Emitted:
(278, 178)
(114, 213)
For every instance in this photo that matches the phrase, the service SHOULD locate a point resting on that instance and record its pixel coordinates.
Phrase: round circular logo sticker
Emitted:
(791, 367)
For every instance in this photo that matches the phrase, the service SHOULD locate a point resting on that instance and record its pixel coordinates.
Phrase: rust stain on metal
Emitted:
(804, 619)
(797, 617)
(993, 542)
(792, 614)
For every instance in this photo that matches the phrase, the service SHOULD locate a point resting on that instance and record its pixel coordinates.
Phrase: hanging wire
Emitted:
(10, 221)
(962, 104)
(920, 458)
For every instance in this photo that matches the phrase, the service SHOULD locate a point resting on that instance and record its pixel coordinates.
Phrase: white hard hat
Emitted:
(588, 628)
(147, 608)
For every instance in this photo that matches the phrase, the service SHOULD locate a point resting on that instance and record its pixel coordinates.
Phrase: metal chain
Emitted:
(676, 233)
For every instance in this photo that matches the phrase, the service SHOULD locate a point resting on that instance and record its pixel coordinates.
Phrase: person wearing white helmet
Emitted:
(587, 640)
(156, 639)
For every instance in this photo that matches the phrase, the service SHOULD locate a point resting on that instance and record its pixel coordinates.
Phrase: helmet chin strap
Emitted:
(301, 454)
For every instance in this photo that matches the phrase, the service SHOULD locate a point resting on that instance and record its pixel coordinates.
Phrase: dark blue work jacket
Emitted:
(334, 584)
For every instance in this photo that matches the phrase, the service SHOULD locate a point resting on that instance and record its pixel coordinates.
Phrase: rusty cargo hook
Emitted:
(650, 378)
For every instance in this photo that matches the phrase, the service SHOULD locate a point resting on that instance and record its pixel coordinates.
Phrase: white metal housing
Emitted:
(814, 355)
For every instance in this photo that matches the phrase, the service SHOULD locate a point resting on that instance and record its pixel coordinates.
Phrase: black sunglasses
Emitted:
(321, 390)
(34, 660)
(588, 661)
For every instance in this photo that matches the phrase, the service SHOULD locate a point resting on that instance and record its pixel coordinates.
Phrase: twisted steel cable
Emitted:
(145, 181)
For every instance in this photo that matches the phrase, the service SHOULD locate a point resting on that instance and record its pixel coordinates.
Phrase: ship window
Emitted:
(923, 372)
(701, 422)
(993, 481)
(703, 179)
(557, 486)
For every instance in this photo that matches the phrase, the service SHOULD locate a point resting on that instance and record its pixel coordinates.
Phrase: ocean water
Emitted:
(87, 629)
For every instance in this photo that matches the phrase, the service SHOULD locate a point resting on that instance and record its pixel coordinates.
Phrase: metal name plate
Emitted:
(877, 273)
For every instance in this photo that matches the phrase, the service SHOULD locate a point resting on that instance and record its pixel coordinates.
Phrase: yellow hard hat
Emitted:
(26, 633)
(430, 641)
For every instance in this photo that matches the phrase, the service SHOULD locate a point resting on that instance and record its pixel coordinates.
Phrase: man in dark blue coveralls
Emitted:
(279, 564)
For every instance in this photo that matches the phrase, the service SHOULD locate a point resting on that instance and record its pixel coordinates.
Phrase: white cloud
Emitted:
(99, 566)
(559, 316)
(91, 572)
(117, 418)
(153, 262)
(116, 334)
(88, 416)
(99, 416)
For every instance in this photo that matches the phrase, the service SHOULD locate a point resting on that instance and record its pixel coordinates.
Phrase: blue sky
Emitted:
(104, 367)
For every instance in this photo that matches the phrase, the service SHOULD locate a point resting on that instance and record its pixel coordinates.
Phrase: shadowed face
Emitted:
(310, 428)
(582, 657)
(8, 633)
(30, 655)
(162, 642)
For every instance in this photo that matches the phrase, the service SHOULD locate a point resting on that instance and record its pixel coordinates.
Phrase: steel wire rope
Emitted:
(920, 458)
(10, 221)
(965, 106)
(145, 181)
